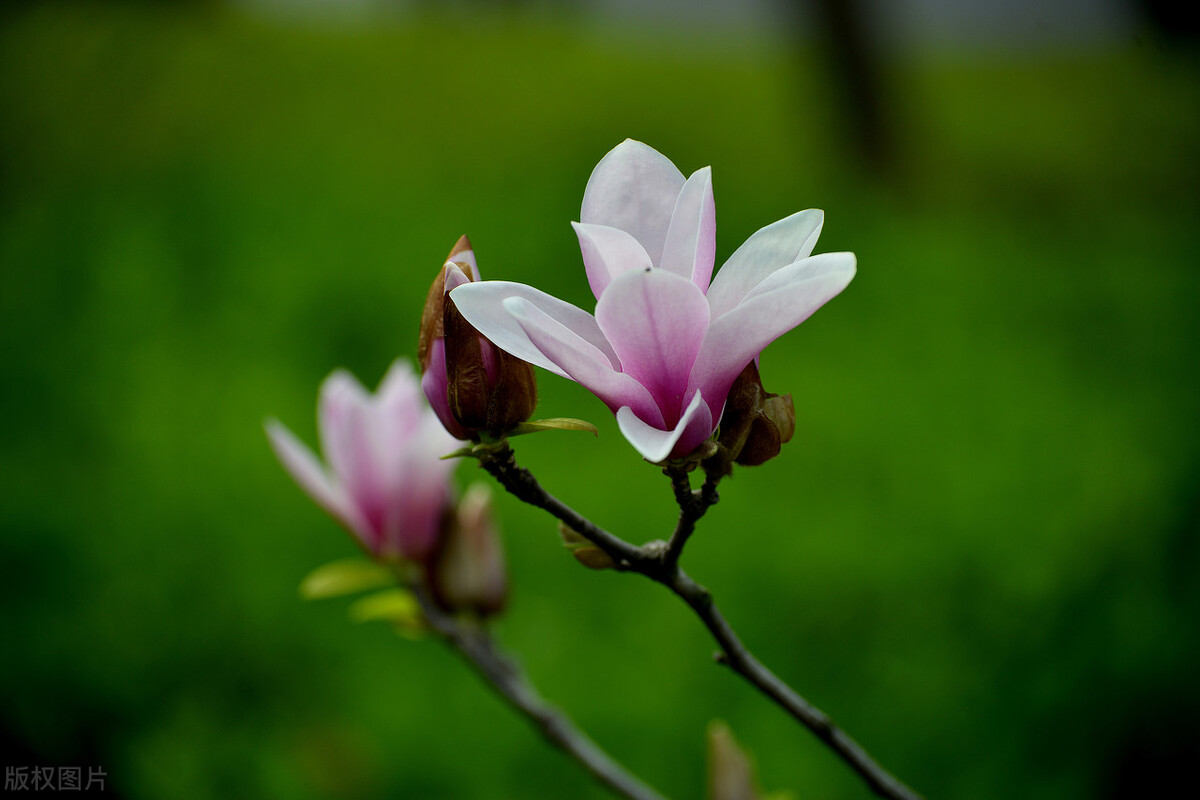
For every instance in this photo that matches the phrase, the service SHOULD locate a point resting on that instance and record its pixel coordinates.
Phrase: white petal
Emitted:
(653, 443)
(779, 303)
(634, 188)
(691, 243)
(464, 253)
(580, 361)
(608, 253)
(482, 305)
(767, 250)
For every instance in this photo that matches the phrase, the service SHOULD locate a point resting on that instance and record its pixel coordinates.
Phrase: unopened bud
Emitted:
(756, 423)
(489, 390)
(468, 573)
(730, 771)
(472, 384)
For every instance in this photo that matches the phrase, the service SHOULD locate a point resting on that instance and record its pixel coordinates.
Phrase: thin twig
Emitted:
(692, 506)
(659, 562)
(743, 662)
(502, 465)
(481, 651)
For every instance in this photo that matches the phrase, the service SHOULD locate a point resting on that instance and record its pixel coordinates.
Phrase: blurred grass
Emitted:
(979, 554)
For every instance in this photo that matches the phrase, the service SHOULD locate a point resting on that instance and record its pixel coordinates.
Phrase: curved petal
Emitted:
(417, 499)
(483, 306)
(608, 253)
(455, 277)
(691, 244)
(779, 303)
(634, 188)
(307, 471)
(655, 321)
(464, 253)
(656, 444)
(767, 250)
(342, 406)
(580, 361)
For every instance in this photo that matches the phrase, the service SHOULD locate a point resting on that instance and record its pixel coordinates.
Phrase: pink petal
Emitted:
(580, 361)
(691, 243)
(482, 305)
(420, 490)
(341, 405)
(354, 446)
(779, 303)
(402, 426)
(466, 257)
(634, 188)
(607, 253)
(435, 385)
(399, 400)
(417, 499)
(654, 444)
(455, 277)
(655, 321)
(307, 471)
(767, 250)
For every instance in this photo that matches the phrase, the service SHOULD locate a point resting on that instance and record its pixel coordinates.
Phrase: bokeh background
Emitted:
(979, 554)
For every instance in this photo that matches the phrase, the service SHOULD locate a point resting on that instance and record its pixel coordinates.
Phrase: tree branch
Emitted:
(659, 562)
(480, 650)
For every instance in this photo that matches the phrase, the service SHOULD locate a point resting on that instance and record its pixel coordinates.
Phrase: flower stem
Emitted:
(692, 506)
(475, 645)
(660, 563)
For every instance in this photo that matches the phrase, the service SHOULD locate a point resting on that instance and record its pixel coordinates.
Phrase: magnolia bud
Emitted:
(730, 771)
(756, 423)
(467, 573)
(473, 385)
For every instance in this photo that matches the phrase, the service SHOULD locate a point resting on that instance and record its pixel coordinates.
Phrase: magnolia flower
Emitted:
(471, 385)
(664, 346)
(385, 481)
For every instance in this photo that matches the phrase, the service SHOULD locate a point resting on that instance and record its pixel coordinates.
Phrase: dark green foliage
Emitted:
(979, 552)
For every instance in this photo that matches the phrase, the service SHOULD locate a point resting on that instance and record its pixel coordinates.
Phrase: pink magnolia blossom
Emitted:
(385, 481)
(664, 346)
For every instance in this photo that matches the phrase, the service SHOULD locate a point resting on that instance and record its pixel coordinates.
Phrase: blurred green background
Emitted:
(979, 554)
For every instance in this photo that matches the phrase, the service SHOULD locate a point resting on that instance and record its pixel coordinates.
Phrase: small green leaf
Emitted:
(554, 424)
(397, 606)
(583, 549)
(593, 558)
(342, 577)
